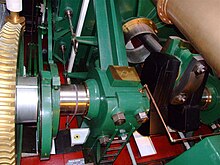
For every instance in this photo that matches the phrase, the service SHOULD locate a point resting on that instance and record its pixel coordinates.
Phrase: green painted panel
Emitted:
(206, 152)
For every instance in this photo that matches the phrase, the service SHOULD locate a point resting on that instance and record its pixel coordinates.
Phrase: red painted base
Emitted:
(164, 148)
(162, 145)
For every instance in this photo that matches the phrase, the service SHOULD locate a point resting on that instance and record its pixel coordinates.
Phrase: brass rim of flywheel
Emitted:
(9, 43)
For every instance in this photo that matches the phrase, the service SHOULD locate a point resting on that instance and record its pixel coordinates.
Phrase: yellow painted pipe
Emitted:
(199, 21)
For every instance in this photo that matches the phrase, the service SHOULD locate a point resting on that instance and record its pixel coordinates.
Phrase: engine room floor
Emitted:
(165, 152)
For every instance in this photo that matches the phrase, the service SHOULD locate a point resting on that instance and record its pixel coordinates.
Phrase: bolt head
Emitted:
(104, 140)
(179, 99)
(141, 117)
(119, 118)
(199, 69)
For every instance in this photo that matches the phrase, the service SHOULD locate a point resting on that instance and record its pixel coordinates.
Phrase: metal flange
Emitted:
(133, 30)
(162, 11)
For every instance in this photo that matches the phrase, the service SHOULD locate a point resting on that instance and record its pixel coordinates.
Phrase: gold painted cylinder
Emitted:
(199, 21)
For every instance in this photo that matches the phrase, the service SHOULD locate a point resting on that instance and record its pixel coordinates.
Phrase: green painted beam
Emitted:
(19, 136)
(50, 32)
(21, 57)
(40, 55)
(110, 36)
(89, 40)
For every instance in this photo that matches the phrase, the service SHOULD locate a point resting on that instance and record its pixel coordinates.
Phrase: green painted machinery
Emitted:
(205, 152)
(102, 48)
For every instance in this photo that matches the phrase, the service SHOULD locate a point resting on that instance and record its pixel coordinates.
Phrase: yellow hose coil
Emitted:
(9, 43)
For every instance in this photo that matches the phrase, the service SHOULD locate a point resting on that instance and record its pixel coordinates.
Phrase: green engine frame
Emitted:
(116, 101)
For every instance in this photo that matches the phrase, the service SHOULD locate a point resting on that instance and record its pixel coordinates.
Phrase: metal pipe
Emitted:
(158, 111)
(150, 43)
(69, 15)
(79, 27)
(186, 144)
(74, 100)
(131, 154)
(82, 17)
(199, 21)
(71, 62)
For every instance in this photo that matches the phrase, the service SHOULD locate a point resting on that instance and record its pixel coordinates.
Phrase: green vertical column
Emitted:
(21, 57)
(120, 57)
(19, 136)
(110, 36)
(40, 55)
(50, 33)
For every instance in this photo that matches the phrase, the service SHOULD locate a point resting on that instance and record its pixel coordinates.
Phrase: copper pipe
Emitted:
(158, 112)
(199, 21)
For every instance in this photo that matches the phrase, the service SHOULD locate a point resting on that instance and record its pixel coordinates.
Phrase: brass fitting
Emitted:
(14, 18)
(162, 11)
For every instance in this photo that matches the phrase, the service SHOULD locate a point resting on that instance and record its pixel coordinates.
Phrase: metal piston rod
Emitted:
(74, 99)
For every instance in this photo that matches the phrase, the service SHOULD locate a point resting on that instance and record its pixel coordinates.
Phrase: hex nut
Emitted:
(199, 69)
(141, 117)
(119, 118)
(104, 140)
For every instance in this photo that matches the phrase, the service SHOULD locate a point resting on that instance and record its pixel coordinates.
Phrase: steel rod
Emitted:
(74, 99)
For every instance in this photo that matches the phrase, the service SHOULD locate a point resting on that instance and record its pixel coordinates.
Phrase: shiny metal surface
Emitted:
(27, 100)
(206, 99)
(150, 43)
(199, 21)
(140, 39)
(14, 18)
(74, 99)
